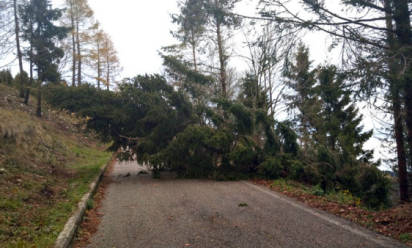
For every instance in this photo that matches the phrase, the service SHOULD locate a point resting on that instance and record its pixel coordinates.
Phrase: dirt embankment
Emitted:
(46, 165)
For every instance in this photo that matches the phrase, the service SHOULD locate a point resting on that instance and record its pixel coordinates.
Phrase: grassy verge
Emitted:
(46, 166)
(36, 207)
(394, 222)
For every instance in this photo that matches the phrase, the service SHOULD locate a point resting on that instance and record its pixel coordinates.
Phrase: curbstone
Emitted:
(67, 234)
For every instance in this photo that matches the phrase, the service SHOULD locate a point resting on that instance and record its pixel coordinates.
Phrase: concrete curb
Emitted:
(66, 236)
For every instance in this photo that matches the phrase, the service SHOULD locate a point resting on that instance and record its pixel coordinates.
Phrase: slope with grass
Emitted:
(46, 166)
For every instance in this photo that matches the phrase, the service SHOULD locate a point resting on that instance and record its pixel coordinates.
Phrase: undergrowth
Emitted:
(338, 196)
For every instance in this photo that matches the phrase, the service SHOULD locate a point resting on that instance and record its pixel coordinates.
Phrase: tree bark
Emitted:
(404, 39)
(270, 93)
(39, 101)
(27, 96)
(79, 55)
(193, 43)
(396, 105)
(73, 44)
(108, 78)
(400, 146)
(222, 60)
(107, 71)
(98, 65)
(19, 54)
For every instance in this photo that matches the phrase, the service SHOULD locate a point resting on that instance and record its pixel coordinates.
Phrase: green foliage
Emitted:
(271, 168)
(90, 204)
(405, 237)
(329, 128)
(312, 175)
(244, 123)
(374, 187)
(179, 70)
(294, 167)
(283, 165)
(288, 138)
(344, 197)
(348, 178)
(100, 107)
(283, 184)
(39, 29)
(251, 94)
(6, 77)
(24, 78)
(341, 120)
(190, 154)
(244, 156)
(217, 12)
(191, 22)
(317, 190)
(302, 80)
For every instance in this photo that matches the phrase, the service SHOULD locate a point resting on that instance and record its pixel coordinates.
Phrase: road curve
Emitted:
(143, 212)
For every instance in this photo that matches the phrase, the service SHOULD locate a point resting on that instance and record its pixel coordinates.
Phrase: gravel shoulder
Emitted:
(143, 212)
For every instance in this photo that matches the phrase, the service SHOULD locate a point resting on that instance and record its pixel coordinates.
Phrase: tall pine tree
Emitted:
(191, 21)
(341, 125)
(302, 79)
(39, 29)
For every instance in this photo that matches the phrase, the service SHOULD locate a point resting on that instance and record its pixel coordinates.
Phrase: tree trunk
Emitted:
(400, 146)
(402, 20)
(73, 45)
(98, 66)
(222, 58)
(193, 43)
(39, 101)
(79, 55)
(27, 96)
(270, 93)
(19, 54)
(222, 61)
(404, 39)
(108, 75)
(108, 81)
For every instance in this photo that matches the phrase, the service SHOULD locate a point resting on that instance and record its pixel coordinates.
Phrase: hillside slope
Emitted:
(46, 166)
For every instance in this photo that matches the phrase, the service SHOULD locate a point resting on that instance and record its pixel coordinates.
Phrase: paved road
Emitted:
(142, 212)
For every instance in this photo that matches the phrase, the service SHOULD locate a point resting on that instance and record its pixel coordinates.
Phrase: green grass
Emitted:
(49, 219)
(87, 170)
(405, 237)
(46, 167)
(342, 196)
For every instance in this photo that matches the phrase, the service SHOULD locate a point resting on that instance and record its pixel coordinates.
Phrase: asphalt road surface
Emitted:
(143, 212)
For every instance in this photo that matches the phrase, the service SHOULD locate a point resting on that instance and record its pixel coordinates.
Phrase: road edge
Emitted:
(345, 224)
(66, 236)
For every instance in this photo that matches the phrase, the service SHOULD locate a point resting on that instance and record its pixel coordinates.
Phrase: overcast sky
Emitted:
(140, 28)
